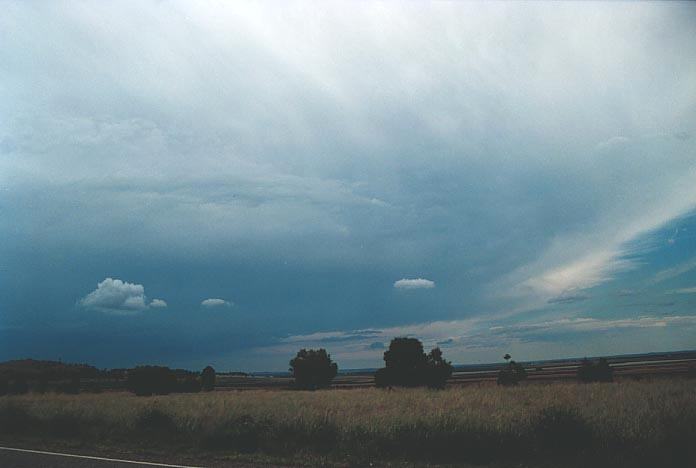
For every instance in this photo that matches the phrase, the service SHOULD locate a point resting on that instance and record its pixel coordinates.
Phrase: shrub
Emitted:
(313, 369)
(382, 378)
(407, 365)
(190, 384)
(208, 379)
(512, 374)
(599, 371)
(437, 369)
(149, 380)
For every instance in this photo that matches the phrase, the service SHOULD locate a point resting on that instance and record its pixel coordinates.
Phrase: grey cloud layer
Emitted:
(511, 150)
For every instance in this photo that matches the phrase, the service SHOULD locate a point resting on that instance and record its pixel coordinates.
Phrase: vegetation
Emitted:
(512, 373)
(631, 424)
(313, 369)
(21, 376)
(151, 380)
(208, 379)
(599, 371)
(407, 365)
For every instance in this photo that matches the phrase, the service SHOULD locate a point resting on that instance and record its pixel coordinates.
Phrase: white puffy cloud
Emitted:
(417, 283)
(215, 302)
(158, 304)
(117, 296)
(114, 295)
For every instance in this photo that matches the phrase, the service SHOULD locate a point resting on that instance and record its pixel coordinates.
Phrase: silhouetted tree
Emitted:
(313, 369)
(599, 371)
(407, 365)
(208, 379)
(512, 373)
(438, 369)
(149, 380)
(189, 384)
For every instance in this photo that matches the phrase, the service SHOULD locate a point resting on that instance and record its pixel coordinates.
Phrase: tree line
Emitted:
(406, 364)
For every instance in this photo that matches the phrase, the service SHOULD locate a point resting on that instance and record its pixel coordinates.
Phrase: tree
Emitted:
(149, 380)
(599, 371)
(313, 369)
(407, 365)
(208, 379)
(189, 384)
(438, 369)
(512, 373)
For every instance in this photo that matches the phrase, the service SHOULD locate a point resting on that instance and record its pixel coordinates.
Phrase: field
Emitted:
(632, 423)
(629, 367)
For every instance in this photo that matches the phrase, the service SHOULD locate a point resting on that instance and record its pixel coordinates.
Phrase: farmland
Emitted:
(630, 367)
(632, 423)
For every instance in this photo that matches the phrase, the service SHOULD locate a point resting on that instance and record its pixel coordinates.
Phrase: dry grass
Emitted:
(627, 423)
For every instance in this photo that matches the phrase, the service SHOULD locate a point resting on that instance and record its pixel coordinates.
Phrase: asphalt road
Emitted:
(18, 458)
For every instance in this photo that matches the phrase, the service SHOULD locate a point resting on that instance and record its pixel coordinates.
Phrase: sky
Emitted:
(194, 183)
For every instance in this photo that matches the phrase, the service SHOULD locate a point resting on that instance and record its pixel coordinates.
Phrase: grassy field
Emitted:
(620, 424)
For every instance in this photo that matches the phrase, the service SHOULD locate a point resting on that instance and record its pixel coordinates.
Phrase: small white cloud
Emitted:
(418, 283)
(114, 295)
(214, 302)
(158, 304)
(684, 291)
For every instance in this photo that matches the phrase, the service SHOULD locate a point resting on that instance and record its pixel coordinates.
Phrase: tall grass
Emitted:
(629, 422)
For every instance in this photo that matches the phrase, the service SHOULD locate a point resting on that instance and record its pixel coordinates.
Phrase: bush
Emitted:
(407, 365)
(599, 371)
(190, 384)
(512, 374)
(151, 380)
(437, 369)
(313, 369)
(208, 379)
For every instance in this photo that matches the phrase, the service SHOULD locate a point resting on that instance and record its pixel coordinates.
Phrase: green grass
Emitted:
(620, 424)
